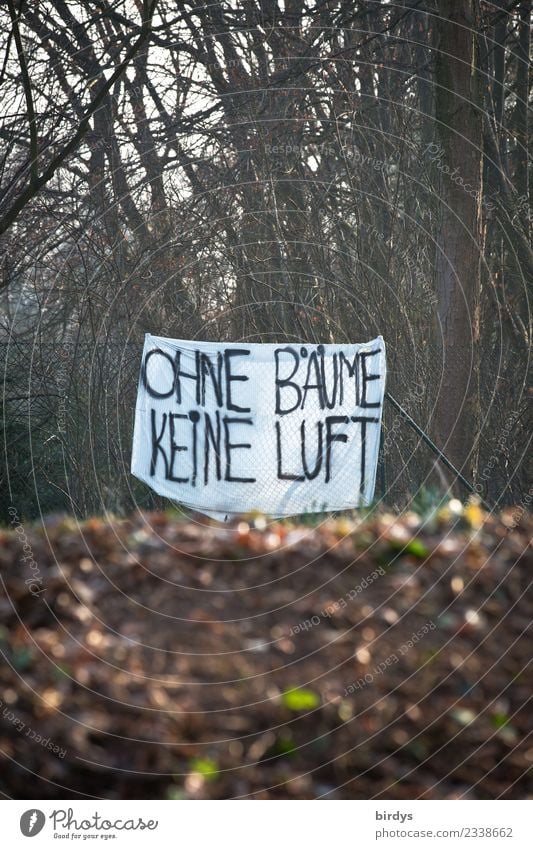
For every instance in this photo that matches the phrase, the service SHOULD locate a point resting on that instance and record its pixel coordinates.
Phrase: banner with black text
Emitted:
(228, 428)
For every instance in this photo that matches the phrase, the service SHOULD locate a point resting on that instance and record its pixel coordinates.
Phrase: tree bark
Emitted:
(458, 120)
(521, 176)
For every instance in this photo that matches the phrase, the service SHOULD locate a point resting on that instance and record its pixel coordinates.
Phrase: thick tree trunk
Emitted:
(521, 177)
(498, 54)
(458, 120)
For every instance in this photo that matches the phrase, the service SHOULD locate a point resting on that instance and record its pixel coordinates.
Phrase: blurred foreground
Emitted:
(162, 658)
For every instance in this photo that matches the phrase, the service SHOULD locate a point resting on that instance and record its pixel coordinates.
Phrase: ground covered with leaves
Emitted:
(158, 657)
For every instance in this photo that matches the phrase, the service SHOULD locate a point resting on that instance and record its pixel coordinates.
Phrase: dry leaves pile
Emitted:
(163, 658)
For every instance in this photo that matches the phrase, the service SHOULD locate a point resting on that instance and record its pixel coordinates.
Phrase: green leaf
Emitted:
(283, 747)
(300, 699)
(418, 749)
(62, 671)
(176, 793)
(499, 719)
(22, 659)
(414, 546)
(417, 548)
(205, 767)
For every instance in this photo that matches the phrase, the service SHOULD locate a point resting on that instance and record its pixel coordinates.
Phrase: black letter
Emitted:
(333, 437)
(313, 361)
(329, 404)
(195, 376)
(368, 377)
(363, 421)
(230, 445)
(153, 392)
(281, 475)
(228, 353)
(287, 380)
(215, 440)
(175, 448)
(318, 463)
(156, 444)
(353, 371)
(208, 368)
(194, 416)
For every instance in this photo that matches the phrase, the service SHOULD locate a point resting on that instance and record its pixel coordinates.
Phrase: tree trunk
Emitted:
(521, 177)
(458, 120)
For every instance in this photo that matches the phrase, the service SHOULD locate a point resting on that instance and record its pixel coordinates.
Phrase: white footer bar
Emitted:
(268, 824)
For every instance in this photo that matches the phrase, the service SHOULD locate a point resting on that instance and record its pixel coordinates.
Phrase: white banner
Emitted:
(228, 428)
